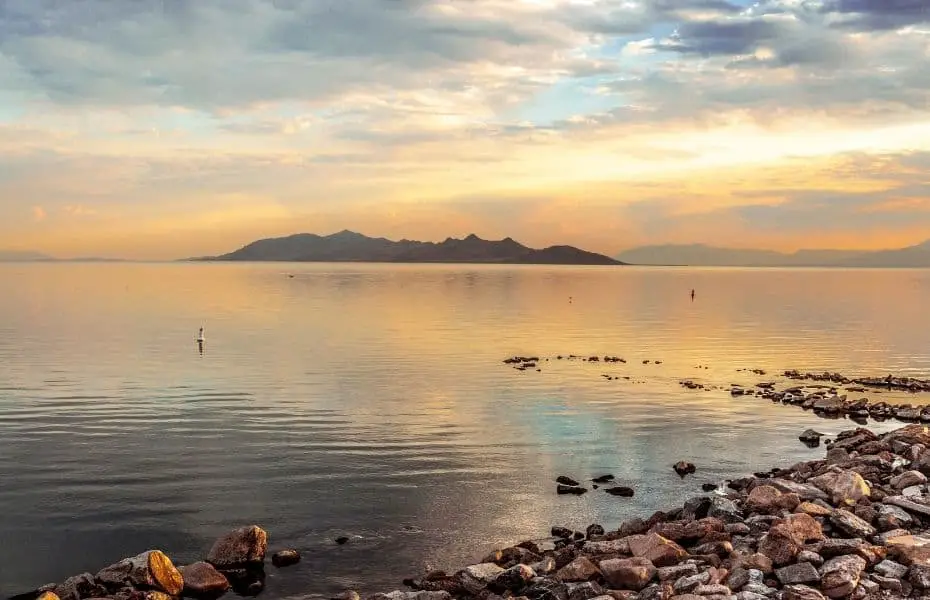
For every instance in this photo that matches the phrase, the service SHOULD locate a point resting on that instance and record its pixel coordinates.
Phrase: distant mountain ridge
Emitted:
(701, 255)
(22, 255)
(349, 246)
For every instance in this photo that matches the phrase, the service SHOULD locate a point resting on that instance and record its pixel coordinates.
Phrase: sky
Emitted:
(158, 129)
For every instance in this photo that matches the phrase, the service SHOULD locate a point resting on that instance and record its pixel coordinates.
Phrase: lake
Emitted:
(371, 401)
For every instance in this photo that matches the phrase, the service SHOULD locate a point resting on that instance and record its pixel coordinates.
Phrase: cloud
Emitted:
(38, 213)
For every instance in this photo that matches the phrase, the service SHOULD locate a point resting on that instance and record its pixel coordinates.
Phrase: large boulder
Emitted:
(841, 575)
(628, 573)
(769, 500)
(580, 569)
(240, 547)
(843, 487)
(202, 579)
(785, 538)
(907, 479)
(661, 551)
(477, 577)
(851, 524)
(150, 570)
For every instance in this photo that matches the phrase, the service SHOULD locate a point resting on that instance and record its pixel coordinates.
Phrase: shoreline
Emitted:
(842, 526)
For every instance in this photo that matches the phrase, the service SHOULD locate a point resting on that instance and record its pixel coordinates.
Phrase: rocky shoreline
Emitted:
(855, 524)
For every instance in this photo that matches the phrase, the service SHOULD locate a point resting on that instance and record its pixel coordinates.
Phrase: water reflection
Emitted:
(370, 401)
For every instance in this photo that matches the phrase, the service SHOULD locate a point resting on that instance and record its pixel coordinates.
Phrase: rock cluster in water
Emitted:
(854, 525)
(235, 562)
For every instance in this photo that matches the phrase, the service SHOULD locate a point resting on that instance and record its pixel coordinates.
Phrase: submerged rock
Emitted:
(202, 579)
(285, 558)
(684, 468)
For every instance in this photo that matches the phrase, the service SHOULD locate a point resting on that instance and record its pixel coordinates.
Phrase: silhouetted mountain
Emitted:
(700, 255)
(348, 246)
(22, 255)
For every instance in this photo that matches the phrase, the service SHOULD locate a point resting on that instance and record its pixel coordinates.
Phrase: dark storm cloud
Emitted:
(876, 15)
(727, 37)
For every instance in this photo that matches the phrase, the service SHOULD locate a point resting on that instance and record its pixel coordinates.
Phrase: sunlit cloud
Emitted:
(603, 123)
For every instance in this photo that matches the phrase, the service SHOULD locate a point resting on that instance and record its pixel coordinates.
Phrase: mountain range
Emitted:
(700, 255)
(348, 246)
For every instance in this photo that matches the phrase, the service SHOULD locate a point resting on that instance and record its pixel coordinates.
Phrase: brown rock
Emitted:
(628, 573)
(757, 561)
(841, 575)
(844, 487)
(764, 499)
(48, 596)
(851, 524)
(661, 551)
(814, 510)
(285, 558)
(80, 586)
(910, 435)
(202, 579)
(243, 546)
(152, 569)
(798, 573)
(907, 479)
(909, 549)
(580, 569)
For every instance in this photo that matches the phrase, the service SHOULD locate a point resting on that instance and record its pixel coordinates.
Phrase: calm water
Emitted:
(370, 401)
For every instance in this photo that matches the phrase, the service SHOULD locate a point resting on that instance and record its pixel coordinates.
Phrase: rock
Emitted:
(341, 540)
(243, 546)
(919, 576)
(661, 551)
(544, 566)
(570, 490)
(810, 437)
(814, 510)
(677, 572)
(908, 505)
(737, 579)
(401, 595)
(709, 487)
(801, 592)
(841, 575)
(623, 492)
(909, 549)
(508, 557)
(804, 492)
(806, 556)
(580, 569)
(593, 530)
(851, 524)
(889, 568)
(724, 509)
(513, 579)
(603, 479)
(712, 590)
(621, 546)
(686, 585)
(768, 500)
(152, 570)
(754, 562)
(80, 586)
(635, 526)
(890, 584)
(844, 487)
(695, 508)
(907, 479)
(628, 573)
(348, 595)
(285, 558)
(784, 539)
(798, 573)
(562, 532)
(477, 577)
(737, 529)
(567, 481)
(684, 468)
(748, 596)
(48, 596)
(584, 591)
(202, 579)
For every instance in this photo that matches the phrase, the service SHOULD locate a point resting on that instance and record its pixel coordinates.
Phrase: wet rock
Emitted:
(907, 479)
(811, 437)
(341, 540)
(562, 479)
(508, 557)
(545, 566)
(684, 468)
(709, 487)
(841, 575)
(724, 509)
(624, 492)
(513, 579)
(152, 570)
(851, 524)
(844, 487)
(661, 551)
(594, 529)
(562, 532)
(202, 579)
(570, 490)
(628, 573)
(798, 573)
(603, 479)
(801, 592)
(695, 508)
(243, 546)
(580, 569)
(285, 558)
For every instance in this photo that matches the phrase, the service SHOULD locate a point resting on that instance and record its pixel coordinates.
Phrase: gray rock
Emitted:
(584, 591)
(724, 509)
(749, 596)
(892, 517)
(908, 479)
(737, 529)
(513, 579)
(652, 592)
(80, 586)
(806, 556)
(621, 546)
(883, 538)
(762, 590)
(801, 592)
(890, 568)
(550, 589)
(797, 573)
(738, 579)
(686, 585)
(402, 595)
(851, 524)
(715, 589)
(888, 583)
(477, 577)
(908, 505)
(919, 576)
